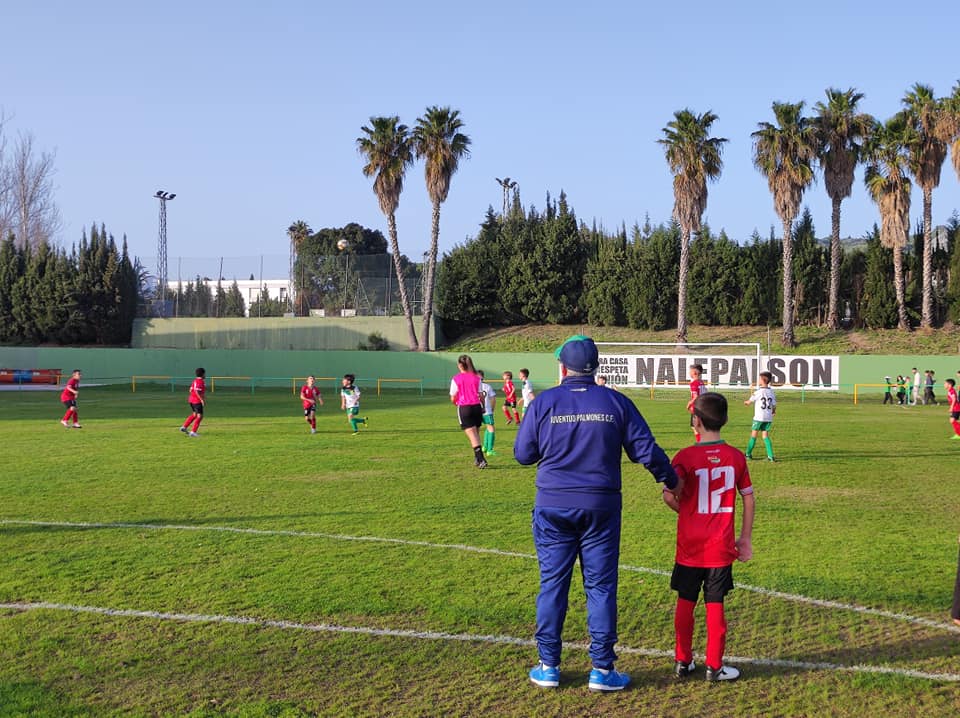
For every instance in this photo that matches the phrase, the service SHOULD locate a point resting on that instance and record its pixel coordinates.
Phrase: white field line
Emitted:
(463, 637)
(794, 597)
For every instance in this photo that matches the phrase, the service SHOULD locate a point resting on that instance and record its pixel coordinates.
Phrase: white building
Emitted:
(249, 288)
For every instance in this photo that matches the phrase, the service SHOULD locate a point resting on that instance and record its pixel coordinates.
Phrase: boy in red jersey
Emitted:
(951, 386)
(710, 471)
(69, 399)
(510, 398)
(197, 391)
(310, 396)
(697, 387)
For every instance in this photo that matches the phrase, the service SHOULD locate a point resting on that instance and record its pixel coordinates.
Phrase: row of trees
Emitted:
(532, 267)
(86, 296)
(202, 298)
(838, 137)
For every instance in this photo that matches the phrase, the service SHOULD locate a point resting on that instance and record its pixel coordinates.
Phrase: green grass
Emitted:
(810, 339)
(860, 508)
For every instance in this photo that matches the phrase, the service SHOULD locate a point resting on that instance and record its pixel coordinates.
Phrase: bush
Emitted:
(375, 343)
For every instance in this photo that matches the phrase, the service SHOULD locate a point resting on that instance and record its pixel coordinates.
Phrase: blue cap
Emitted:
(579, 353)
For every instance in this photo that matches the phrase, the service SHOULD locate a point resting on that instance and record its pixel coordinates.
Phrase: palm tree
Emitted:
(927, 117)
(840, 130)
(785, 153)
(888, 156)
(952, 125)
(298, 233)
(437, 139)
(694, 158)
(387, 149)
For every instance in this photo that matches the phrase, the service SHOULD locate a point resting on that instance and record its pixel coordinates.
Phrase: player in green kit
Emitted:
(765, 406)
(350, 402)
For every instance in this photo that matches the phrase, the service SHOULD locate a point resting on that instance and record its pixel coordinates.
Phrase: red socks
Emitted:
(956, 426)
(683, 623)
(716, 635)
(196, 423)
(683, 628)
(71, 414)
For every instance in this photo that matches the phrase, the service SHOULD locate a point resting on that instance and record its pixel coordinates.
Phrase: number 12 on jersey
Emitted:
(710, 502)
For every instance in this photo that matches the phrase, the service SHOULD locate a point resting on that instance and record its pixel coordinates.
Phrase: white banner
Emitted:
(789, 372)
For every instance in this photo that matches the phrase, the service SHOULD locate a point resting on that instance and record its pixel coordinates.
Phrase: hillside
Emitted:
(811, 340)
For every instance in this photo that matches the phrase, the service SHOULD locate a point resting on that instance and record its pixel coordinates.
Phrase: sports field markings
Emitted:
(462, 637)
(771, 593)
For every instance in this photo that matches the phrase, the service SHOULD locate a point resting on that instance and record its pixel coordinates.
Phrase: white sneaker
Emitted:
(194, 434)
(64, 422)
(723, 673)
(313, 431)
(77, 426)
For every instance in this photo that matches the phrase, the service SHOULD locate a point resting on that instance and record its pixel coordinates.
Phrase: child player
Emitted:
(69, 399)
(488, 397)
(350, 402)
(712, 473)
(697, 387)
(765, 406)
(198, 390)
(526, 391)
(951, 386)
(509, 398)
(310, 396)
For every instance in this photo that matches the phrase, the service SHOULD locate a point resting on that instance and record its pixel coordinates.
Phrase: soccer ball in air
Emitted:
(342, 244)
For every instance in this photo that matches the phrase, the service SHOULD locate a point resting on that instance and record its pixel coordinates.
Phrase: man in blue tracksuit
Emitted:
(574, 432)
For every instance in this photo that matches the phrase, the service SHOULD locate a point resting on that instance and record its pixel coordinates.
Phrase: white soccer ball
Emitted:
(342, 244)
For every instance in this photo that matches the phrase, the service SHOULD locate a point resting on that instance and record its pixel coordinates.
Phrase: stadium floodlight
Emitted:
(163, 196)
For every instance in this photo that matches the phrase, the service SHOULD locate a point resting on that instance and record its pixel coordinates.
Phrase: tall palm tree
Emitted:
(298, 233)
(387, 150)
(840, 132)
(952, 125)
(785, 152)
(438, 141)
(927, 117)
(694, 158)
(888, 156)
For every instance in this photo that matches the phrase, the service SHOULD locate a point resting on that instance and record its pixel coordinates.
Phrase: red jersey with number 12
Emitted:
(197, 390)
(705, 531)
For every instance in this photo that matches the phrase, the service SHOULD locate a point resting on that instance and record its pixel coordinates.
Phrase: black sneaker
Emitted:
(482, 464)
(681, 670)
(723, 673)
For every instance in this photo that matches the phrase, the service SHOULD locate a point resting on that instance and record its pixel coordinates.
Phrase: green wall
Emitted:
(435, 368)
(287, 333)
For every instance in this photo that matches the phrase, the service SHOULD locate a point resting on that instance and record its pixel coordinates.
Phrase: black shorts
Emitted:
(510, 404)
(70, 403)
(688, 580)
(197, 408)
(471, 416)
(955, 415)
(309, 410)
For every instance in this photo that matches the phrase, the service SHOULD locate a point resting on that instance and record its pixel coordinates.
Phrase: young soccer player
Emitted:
(887, 395)
(488, 396)
(310, 396)
(350, 402)
(901, 390)
(510, 398)
(197, 399)
(951, 386)
(697, 387)
(69, 399)
(765, 406)
(712, 473)
(526, 391)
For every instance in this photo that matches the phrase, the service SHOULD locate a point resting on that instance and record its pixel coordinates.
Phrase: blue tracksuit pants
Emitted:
(561, 536)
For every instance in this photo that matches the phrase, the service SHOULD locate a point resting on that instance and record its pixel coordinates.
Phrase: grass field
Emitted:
(387, 576)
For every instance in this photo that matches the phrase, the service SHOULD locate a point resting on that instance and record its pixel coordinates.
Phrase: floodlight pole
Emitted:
(162, 244)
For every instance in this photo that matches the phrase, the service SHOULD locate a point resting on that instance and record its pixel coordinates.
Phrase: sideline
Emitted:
(463, 637)
(771, 593)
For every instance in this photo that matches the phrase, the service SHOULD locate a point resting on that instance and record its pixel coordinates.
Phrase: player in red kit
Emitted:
(697, 387)
(198, 389)
(510, 398)
(69, 399)
(712, 473)
(954, 402)
(310, 396)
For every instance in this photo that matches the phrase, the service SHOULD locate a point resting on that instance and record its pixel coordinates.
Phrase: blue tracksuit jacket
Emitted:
(570, 430)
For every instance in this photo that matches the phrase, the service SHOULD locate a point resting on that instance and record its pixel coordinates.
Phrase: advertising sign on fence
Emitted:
(644, 370)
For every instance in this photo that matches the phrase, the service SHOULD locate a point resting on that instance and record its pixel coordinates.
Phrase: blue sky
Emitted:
(250, 111)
